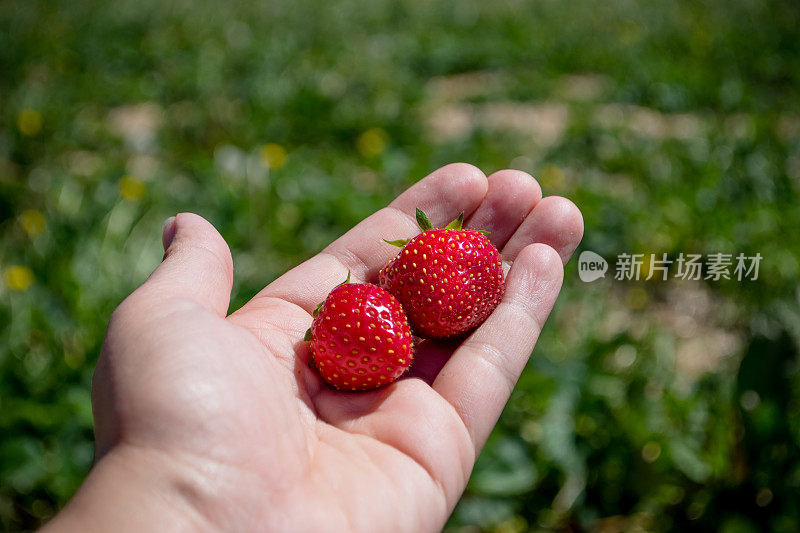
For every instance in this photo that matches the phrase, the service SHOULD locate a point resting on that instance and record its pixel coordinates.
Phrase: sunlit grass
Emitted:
(675, 127)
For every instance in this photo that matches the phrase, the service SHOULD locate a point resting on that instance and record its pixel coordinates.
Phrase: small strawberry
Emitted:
(448, 280)
(360, 338)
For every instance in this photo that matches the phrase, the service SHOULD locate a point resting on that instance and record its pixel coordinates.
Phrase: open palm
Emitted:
(223, 414)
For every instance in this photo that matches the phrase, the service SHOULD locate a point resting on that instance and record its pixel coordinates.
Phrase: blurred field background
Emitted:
(675, 126)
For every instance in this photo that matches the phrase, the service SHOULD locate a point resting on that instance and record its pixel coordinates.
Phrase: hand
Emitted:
(208, 421)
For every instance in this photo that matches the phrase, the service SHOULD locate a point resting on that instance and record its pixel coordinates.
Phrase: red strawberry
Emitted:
(448, 280)
(360, 338)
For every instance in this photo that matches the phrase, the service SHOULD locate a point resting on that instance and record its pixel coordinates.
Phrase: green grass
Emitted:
(675, 126)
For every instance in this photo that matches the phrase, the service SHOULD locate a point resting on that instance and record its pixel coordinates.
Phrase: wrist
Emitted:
(133, 489)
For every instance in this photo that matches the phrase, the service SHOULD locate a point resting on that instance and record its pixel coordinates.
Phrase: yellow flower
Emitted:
(372, 142)
(29, 122)
(273, 155)
(131, 188)
(33, 222)
(552, 177)
(651, 451)
(18, 278)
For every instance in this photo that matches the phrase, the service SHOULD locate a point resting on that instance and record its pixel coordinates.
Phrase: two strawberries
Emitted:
(443, 283)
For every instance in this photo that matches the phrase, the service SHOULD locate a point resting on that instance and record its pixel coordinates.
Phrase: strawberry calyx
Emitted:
(399, 242)
(425, 224)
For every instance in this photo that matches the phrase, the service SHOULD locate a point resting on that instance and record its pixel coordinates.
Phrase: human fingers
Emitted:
(197, 265)
(555, 221)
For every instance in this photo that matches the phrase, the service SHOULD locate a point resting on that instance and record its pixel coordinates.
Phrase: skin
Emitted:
(210, 421)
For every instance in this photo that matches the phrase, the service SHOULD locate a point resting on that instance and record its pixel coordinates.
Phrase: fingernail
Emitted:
(168, 232)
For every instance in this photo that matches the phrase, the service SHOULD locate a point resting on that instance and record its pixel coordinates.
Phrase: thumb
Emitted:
(197, 264)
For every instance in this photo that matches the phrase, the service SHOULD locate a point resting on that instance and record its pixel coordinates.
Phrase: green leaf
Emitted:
(458, 223)
(307, 336)
(423, 220)
(399, 242)
(483, 231)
